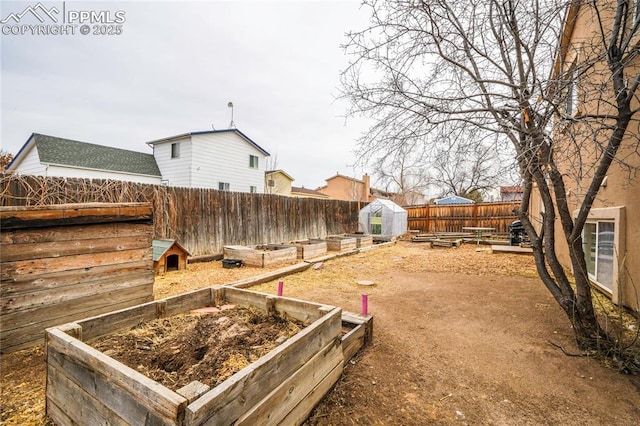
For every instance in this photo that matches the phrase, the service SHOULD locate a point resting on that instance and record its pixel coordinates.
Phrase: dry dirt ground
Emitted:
(460, 337)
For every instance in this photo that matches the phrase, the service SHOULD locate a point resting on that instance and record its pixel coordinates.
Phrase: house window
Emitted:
(223, 186)
(598, 244)
(271, 183)
(253, 161)
(175, 150)
(572, 93)
(253, 189)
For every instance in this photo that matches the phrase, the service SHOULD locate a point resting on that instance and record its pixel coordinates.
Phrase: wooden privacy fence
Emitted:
(452, 218)
(202, 220)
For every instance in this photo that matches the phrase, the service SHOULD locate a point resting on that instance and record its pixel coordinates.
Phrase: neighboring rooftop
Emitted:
(303, 190)
(511, 189)
(338, 175)
(60, 151)
(209, 132)
(454, 199)
(287, 175)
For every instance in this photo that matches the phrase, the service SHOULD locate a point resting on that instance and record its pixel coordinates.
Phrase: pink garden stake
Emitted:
(365, 304)
(280, 287)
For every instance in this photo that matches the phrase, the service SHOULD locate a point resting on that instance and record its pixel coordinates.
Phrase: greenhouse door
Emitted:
(375, 223)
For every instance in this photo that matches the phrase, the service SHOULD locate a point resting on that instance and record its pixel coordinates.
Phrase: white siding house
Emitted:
(221, 159)
(29, 165)
(175, 168)
(44, 155)
(226, 160)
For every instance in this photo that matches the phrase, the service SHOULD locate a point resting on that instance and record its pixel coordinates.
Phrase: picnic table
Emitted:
(478, 230)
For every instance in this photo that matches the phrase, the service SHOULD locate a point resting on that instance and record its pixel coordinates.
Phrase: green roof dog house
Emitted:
(168, 255)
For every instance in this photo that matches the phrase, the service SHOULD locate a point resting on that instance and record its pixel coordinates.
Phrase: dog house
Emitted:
(383, 218)
(168, 255)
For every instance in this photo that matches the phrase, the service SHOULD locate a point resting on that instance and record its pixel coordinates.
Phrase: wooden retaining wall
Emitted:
(202, 220)
(309, 250)
(64, 262)
(84, 386)
(361, 240)
(262, 255)
(340, 243)
(452, 218)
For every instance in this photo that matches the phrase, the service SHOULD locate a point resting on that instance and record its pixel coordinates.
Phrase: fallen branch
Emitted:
(564, 351)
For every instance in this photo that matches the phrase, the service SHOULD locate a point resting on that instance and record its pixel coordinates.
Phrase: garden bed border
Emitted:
(86, 386)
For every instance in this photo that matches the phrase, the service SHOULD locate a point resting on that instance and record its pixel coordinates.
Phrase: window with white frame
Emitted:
(572, 92)
(253, 189)
(599, 252)
(223, 186)
(175, 150)
(253, 161)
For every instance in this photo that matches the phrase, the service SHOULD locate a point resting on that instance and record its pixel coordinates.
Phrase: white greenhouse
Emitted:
(384, 218)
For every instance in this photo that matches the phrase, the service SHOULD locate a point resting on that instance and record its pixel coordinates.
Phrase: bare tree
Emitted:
(270, 184)
(272, 163)
(403, 173)
(496, 66)
(450, 160)
(468, 164)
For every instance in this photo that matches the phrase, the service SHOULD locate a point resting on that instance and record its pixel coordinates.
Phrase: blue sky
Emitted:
(175, 67)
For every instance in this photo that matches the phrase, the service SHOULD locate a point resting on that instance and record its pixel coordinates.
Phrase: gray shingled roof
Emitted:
(67, 152)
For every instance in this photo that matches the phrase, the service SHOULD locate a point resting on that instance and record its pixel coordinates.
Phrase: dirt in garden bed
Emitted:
(207, 347)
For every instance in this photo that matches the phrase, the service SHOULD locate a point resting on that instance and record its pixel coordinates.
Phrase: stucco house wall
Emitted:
(277, 182)
(618, 200)
(346, 188)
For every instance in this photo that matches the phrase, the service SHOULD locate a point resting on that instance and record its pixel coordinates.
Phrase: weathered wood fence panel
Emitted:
(202, 220)
(452, 218)
(61, 263)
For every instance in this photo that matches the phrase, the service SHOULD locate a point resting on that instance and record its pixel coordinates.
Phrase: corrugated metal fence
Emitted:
(452, 218)
(203, 220)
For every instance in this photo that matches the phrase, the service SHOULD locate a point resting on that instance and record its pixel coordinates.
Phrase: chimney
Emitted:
(366, 196)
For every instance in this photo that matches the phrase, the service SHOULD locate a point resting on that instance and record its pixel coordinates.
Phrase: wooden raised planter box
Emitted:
(262, 255)
(361, 240)
(309, 249)
(85, 386)
(339, 243)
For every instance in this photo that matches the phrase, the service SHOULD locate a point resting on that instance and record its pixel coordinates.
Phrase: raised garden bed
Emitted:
(339, 243)
(86, 386)
(262, 255)
(309, 249)
(361, 240)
